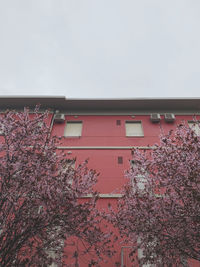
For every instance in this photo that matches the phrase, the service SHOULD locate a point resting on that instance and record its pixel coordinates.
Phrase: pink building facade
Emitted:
(105, 131)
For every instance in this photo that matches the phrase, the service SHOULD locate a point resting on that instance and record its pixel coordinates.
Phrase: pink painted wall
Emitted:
(103, 131)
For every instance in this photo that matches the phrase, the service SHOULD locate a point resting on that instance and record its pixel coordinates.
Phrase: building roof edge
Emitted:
(103, 104)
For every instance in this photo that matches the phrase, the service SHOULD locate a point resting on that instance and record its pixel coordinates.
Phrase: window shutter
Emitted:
(134, 128)
(73, 128)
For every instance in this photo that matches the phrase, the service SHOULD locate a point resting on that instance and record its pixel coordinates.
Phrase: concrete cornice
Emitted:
(104, 196)
(105, 147)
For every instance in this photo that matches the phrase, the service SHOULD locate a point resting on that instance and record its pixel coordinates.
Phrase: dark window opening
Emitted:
(120, 160)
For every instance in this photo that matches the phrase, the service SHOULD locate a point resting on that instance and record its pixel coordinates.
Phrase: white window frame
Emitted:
(70, 164)
(1, 130)
(140, 179)
(141, 253)
(195, 126)
(71, 123)
(141, 134)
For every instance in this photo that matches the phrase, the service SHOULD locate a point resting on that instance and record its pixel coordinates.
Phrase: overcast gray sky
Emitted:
(100, 48)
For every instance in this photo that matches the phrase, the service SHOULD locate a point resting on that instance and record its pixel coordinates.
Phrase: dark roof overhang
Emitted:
(138, 105)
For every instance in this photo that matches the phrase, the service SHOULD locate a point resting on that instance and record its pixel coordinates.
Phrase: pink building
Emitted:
(105, 131)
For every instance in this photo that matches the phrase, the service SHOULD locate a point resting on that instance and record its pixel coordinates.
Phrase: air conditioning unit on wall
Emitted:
(59, 118)
(169, 117)
(155, 117)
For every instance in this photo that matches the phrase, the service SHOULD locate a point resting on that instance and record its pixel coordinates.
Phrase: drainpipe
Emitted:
(52, 120)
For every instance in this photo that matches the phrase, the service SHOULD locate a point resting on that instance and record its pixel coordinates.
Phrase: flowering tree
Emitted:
(39, 198)
(159, 212)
